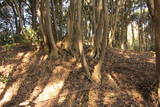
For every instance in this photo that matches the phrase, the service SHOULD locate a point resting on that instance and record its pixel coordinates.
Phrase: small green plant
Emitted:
(18, 38)
(5, 39)
(31, 35)
(9, 58)
(8, 47)
(4, 79)
(10, 38)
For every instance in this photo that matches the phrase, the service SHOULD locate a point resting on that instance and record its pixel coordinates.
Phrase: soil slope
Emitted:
(30, 79)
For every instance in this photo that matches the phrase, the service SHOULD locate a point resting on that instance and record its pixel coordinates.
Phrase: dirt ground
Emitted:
(128, 79)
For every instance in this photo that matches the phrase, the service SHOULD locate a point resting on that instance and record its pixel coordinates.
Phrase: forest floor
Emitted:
(30, 79)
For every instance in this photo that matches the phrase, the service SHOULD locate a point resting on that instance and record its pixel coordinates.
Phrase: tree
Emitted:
(156, 20)
(33, 5)
(154, 12)
(80, 40)
(96, 76)
(46, 27)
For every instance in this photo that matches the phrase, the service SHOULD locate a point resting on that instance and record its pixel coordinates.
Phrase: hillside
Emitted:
(30, 79)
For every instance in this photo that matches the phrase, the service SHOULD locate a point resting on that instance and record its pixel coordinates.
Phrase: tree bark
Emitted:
(33, 4)
(19, 13)
(46, 27)
(70, 42)
(53, 21)
(80, 40)
(98, 27)
(96, 75)
(156, 20)
(15, 18)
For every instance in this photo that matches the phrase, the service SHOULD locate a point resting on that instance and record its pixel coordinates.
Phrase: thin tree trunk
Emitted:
(54, 22)
(61, 19)
(20, 16)
(80, 40)
(33, 11)
(133, 37)
(15, 18)
(115, 20)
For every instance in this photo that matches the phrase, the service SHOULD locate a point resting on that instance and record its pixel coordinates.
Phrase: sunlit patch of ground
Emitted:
(16, 72)
(38, 81)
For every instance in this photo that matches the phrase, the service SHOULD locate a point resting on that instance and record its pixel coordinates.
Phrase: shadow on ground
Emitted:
(128, 79)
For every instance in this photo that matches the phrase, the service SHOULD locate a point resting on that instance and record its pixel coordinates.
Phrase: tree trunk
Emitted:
(151, 12)
(61, 19)
(33, 11)
(46, 27)
(98, 26)
(96, 75)
(80, 40)
(70, 42)
(124, 36)
(156, 20)
(54, 22)
(133, 37)
(15, 18)
(18, 9)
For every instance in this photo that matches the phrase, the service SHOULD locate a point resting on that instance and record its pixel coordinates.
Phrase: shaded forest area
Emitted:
(79, 53)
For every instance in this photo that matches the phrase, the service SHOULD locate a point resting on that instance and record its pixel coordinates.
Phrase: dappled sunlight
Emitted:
(71, 100)
(38, 89)
(5, 70)
(59, 69)
(110, 97)
(136, 95)
(38, 81)
(43, 58)
(20, 54)
(59, 73)
(96, 75)
(63, 96)
(11, 92)
(79, 53)
(151, 61)
(78, 65)
(93, 97)
(27, 57)
(72, 60)
(44, 88)
(90, 43)
(50, 91)
(111, 81)
(17, 73)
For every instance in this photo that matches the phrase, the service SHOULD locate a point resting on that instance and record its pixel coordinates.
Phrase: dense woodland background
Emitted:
(86, 30)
